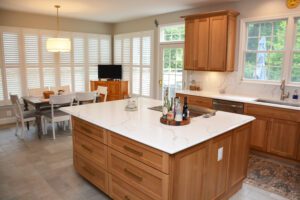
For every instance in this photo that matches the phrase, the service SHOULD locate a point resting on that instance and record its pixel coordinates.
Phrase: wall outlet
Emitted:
(220, 153)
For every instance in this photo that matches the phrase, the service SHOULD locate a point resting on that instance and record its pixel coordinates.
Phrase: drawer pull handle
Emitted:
(138, 153)
(88, 171)
(138, 178)
(126, 197)
(86, 148)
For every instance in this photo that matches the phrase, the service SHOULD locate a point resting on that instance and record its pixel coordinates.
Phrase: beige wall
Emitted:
(214, 80)
(29, 20)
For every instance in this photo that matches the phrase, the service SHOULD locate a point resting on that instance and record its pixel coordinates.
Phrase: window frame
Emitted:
(166, 25)
(287, 51)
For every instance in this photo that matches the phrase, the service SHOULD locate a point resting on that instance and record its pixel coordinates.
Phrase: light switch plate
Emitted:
(220, 153)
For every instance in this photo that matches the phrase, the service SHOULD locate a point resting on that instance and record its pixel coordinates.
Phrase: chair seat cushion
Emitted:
(29, 114)
(57, 113)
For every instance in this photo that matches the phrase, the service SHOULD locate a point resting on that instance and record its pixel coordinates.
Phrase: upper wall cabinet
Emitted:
(210, 41)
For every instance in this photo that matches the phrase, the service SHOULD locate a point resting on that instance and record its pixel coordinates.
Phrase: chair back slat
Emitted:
(61, 99)
(101, 90)
(85, 96)
(17, 107)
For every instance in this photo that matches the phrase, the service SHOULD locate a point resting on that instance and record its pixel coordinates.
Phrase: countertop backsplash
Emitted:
(232, 83)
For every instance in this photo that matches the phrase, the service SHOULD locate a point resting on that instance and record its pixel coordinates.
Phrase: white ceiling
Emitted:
(111, 11)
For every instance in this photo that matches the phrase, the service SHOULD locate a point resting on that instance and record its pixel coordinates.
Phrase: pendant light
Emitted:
(58, 44)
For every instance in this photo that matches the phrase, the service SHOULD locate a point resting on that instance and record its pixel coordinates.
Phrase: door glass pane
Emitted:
(172, 70)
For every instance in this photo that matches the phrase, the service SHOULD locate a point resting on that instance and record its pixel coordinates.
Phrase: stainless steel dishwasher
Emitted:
(228, 106)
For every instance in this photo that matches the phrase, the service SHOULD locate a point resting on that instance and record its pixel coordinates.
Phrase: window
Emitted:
(295, 72)
(265, 50)
(172, 33)
(270, 50)
(171, 62)
(28, 64)
(134, 51)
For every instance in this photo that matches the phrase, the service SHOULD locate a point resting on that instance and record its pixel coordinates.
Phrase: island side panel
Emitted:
(196, 173)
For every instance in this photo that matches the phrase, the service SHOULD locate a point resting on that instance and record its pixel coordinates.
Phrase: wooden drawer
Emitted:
(120, 190)
(272, 112)
(152, 182)
(150, 156)
(89, 129)
(96, 175)
(93, 150)
(197, 101)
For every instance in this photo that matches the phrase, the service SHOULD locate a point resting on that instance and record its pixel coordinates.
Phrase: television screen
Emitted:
(110, 71)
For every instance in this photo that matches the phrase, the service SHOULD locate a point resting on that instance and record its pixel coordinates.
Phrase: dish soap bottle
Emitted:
(295, 95)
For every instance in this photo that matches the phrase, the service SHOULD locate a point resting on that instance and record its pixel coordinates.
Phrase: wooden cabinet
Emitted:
(217, 43)
(218, 166)
(196, 56)
(197, 101)
(239, 155)
(275, 130)
(283, 138)
(128, 170)
(210, 41)
(190, 173)
(259, 133)
(116, 90)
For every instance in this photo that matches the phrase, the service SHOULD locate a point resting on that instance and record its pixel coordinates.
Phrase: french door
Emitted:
(171, 68)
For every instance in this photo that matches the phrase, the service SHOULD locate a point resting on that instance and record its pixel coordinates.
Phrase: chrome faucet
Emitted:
(283, 94)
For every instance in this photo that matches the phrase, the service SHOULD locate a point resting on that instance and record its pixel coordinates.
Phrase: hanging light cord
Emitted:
(57, 18)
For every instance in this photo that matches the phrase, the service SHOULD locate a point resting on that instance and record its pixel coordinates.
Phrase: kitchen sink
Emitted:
(278, 102)
(195, 111)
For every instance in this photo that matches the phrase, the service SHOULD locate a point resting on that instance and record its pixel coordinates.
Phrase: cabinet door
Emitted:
(283, 138)
(202, 43)
(217, 43)
(218, 166)
(259, 133)
(190, 47)
(238, 163)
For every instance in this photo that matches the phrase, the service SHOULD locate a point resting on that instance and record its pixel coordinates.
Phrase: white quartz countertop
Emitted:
(144, 126)
(237, 98)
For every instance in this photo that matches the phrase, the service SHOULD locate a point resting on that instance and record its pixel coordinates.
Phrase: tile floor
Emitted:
(42, 169)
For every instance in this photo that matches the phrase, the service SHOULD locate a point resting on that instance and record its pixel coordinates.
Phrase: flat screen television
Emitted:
(109, 72)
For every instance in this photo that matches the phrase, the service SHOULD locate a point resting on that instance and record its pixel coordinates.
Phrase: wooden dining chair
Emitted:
(85, 97)
(21, 116)
(56, 115)
(102, 90)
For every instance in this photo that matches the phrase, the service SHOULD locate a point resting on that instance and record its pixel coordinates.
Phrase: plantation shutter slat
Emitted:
(78, 56)
(12, 62)
(105, 49)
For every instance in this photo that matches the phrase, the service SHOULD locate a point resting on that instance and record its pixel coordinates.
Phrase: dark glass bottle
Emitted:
(185, 110)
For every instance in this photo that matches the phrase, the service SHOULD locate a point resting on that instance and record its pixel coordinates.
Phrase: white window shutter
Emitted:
(136, 80)
(117, 50)
(65, 69)
(93, 51)
(12, 62)
(1, 86)
(11, 48)
(78, 57)
(146, 77)
(31, 51)
(136, 50)
(13, 81)
(146, 52)
(105, 49)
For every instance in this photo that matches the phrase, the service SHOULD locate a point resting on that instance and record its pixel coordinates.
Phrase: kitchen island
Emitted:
(131, 155)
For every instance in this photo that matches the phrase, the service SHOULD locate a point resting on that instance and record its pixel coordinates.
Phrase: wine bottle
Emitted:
(185, 110)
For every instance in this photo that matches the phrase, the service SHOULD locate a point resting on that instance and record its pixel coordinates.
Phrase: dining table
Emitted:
(40, 105)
